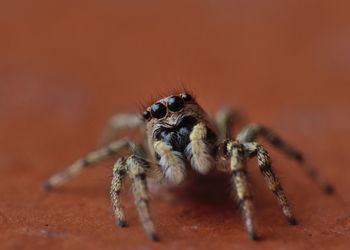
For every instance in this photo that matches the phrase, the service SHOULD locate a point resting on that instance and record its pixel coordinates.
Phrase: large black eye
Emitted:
(158, 110)
(175, 103)
(146, 115)
(187, 97)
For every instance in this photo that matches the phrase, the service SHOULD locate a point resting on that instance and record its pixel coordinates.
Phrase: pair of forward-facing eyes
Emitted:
(174, 103)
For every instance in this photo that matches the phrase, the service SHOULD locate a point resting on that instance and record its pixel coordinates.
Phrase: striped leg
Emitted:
(119, 171)
(94, 157)
(271, 179)
(136, 168)
(235, 154)
(249, 134)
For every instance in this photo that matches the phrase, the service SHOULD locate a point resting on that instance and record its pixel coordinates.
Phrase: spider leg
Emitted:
(90, 159)
(264, 163)
(137, 169)
(119, 123)
(225, 119)
(119, 171)
(233, 151)
(249, 134)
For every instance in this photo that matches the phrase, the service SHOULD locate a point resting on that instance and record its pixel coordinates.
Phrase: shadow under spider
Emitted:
(214, 189)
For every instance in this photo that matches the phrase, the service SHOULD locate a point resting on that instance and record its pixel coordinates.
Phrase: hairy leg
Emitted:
(251, 132)
(264, 163)
(137, 169)
(90, 159)
(119, 171)
(233, 151)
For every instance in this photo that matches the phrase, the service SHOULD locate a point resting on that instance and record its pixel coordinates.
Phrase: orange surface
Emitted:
(66, 66)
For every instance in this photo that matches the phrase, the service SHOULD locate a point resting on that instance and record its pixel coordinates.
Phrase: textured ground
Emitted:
(66, 67)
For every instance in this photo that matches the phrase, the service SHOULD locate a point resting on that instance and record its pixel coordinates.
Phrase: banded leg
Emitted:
(119, 171)
(94, 157)
(235, 154)
(249, 134)
(225, 119)
(264, 163)
(137, 169)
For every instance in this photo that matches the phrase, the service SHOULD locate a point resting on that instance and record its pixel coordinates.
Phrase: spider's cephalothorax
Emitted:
(180, 135)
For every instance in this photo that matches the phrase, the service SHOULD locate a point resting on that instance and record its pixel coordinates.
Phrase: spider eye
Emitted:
(187, 97)
(146, 115)
(175, 103)
(158, 110)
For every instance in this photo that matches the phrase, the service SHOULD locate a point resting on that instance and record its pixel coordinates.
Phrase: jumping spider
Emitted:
(178, 135)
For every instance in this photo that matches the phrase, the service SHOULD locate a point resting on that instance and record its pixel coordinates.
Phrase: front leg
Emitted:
(233, 152)
(137, 169)
(253, 149)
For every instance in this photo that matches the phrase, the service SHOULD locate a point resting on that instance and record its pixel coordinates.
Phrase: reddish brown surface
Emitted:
(65, 68)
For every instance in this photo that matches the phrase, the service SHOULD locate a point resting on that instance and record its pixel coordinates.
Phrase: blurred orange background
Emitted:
(67, 66)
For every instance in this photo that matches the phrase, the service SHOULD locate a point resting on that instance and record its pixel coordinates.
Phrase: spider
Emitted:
(179, 135)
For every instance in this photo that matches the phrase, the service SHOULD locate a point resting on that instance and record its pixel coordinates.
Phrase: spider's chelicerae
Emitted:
(178, 134)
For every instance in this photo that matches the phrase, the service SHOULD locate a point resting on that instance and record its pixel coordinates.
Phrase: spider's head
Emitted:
(172, 118)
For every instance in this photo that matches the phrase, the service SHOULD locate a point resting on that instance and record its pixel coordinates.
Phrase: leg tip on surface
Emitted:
(122, 223)
(292, 221)
(254, 236)
(328, 189)
(154, 237)
(47, 186)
